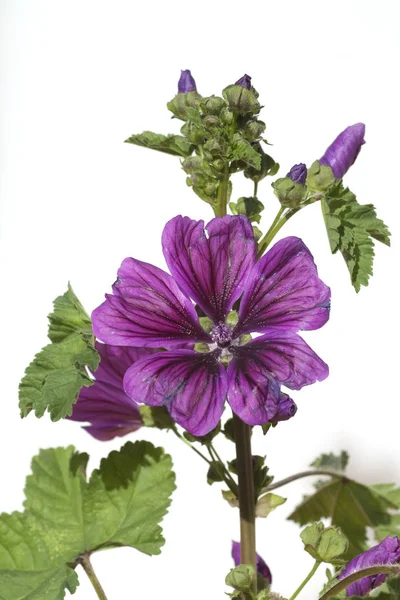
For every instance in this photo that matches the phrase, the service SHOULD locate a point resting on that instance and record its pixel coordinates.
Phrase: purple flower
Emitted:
(387, 552)
(262, 567)
(105, 405)
(245, 82)
(279, 295)
(186, 82)
(342, 153)
(298, 173)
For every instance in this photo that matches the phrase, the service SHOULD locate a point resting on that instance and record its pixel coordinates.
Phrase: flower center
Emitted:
(221, 335)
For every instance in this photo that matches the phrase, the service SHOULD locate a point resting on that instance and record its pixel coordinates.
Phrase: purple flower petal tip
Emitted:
(245, 82)
(343, 152)
(387, 552)
(286, 409)
(186, 82)
(262, 567)
(298, 173)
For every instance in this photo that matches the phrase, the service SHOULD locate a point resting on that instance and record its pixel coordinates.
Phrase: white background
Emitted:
(77, 78)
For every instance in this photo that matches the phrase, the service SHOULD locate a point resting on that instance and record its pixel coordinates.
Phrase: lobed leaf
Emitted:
(176, 145)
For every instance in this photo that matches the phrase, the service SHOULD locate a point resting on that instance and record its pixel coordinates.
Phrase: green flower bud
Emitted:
(219, 165)
(214, 147)
(250, 207)
(212, 105)
(253, 130)
(211, 121)
(241, 100)
(193, 133)
(193, 164)
(181, 102)
(319, 177)
(289, 193)
(226, 116)
(240, 578)
(268, 167)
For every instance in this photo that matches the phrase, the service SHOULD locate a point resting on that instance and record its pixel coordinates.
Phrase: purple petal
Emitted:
(298, 173)
(262, 567)
(210, 266)
(192, 385)
(245, 82)
(387, 552)
(186, 82)
(286, 357)
(105, 405)
(253, 393)
(284, 290)
(146, 309)
(342, 153)
(286, 409)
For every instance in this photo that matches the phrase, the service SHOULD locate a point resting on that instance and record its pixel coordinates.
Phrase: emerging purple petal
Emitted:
(286, 409)
(245, 82)
(253, 393)
(211, 266)
(192, 385)
(105, 405)
(298, 173)
(342, 153)
(186, 82)
(286, 357)
(146, 309)
(387, 552)
(262, 567)
(284, 290)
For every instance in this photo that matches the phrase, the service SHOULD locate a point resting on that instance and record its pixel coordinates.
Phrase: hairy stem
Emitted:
(222, 200)
(88, 568)
(346, 581)
(306, 580)
(282, 482)
(185, 441)
(246, 495)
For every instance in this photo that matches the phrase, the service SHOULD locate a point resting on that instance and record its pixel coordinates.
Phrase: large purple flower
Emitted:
(279, 295)
(104, 404)
(262, 567)
(387, 552)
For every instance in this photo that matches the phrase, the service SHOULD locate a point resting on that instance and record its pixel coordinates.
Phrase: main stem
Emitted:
(246, 495)
(88, 568)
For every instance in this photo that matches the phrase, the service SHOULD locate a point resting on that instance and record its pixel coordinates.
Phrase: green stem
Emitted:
(282, 482)
(346, 581)
(222, 199)
(88, 568)
(230, 482)
(265, 241)
(306, 580)
(246, 495)
(185, 441)
(255, 189)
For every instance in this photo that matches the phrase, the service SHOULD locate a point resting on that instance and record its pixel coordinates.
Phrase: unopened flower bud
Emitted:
(253, 130)
(289, 193)
(212, 105)
(226, 116)
(298, 173)
(342, 153)
(186, 82)
(245, 82)
(242, 99)
(211, 121)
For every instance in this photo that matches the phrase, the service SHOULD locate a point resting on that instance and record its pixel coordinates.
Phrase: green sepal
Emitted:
(241, 578)
(240, 100)
(351, 228)
(205, 440)
(169, 144)
(212, 105)
(319, 177)
(156, 416)
(267, 503)
(324, 544)
(289, 193)
(180, 104)
(251, 207)
(215, 472)
(253, 130)
(260, 473)
(268, 167)
(229, 430)
(193, 133)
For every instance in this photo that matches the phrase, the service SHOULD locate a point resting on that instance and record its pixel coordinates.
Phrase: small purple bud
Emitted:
(342, 153)
(298, 173)
(245, 82)
(186, 82)
(262, 567)
(286, 409)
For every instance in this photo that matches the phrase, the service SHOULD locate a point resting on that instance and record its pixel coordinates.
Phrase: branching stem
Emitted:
(88, 568)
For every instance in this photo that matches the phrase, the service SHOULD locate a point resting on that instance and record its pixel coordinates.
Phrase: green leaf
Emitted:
(176, 145)
(267, 503)
(68, 317)
(243, 151)
(335, 462)
(215, 472)
(56, 375)
(156, 416)
(67, 516)
(324, 544)
(350, 505)
(351, 229)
